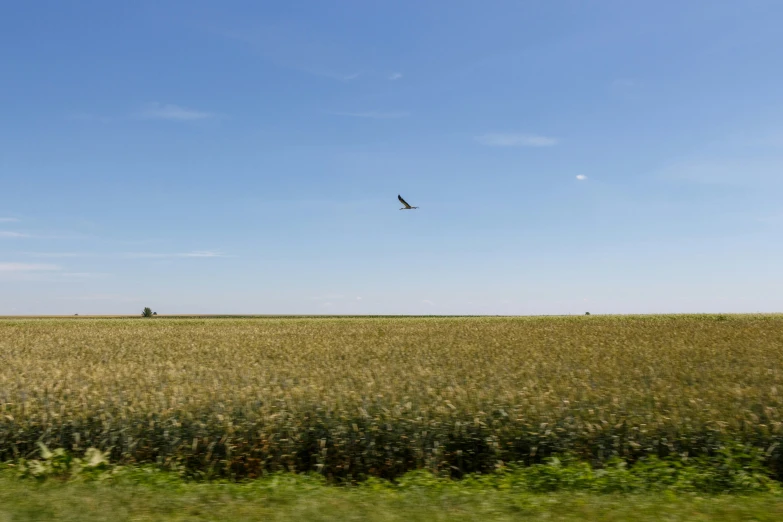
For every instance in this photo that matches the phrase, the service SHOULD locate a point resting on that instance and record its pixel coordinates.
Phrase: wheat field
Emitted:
(356, 397)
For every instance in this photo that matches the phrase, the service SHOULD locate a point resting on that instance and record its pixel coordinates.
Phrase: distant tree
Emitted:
(154, 313)
(147, 312)
(587, 313)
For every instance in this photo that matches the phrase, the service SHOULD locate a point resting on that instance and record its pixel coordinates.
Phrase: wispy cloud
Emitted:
(55, 255)
(395, 76)
(725, 170)
(324, 73)
(427, 302)
(198, 253)
(106, 297)
(515, 140)
(86, 116)
(158, 111)
(27, 267)
(773, 218)
(202, 253)
(84, 275)
(8, 220)
(10, 234)
(131, 255)
(581, 177)
(292, 47)
(376, 115)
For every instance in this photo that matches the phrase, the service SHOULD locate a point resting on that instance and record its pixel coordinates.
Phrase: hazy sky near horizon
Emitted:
(245, 157)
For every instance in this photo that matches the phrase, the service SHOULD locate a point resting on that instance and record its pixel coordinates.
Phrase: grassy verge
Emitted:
(147, 495)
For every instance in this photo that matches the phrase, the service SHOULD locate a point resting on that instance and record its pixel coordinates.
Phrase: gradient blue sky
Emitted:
(245, 157)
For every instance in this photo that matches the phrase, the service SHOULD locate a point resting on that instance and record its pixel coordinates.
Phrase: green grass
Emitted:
(358, 397)
(286, 497)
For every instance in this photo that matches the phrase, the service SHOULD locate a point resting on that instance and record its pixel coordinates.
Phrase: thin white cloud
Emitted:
(8, 220)
(292, 47)
(27, 267)
(323, 73)
(774, 218)
(106, 297)
(83, 275)
(86, 116)
(515, 140)
(427, 302)
(54, 255)
(158, 111)
(725, 170)
(376, 115)
(581, 177)
(358, 298)
(202, 253)
(5, 233)
(197, 253)
(395, 76)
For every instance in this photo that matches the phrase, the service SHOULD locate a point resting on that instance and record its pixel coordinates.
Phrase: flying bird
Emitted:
(406, 207)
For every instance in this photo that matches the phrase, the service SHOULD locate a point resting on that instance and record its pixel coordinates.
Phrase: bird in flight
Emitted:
(406, 207)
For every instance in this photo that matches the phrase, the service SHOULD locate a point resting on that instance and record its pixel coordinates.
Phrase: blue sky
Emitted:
(245, 157)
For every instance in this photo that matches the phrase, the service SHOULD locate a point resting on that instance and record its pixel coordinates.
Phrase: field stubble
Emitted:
(377, 397)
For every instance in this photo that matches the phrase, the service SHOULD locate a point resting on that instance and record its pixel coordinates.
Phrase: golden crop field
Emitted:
(379, 396)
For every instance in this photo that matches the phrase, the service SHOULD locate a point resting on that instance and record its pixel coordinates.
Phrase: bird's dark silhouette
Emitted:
(406, 207)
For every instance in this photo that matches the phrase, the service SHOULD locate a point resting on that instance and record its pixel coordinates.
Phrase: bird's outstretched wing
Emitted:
(403, 201)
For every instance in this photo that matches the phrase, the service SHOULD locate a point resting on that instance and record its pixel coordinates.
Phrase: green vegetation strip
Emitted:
(378, 397)
(563, 491)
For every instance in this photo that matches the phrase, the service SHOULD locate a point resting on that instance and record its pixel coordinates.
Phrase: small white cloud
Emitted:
(7, 233)
(581, 177)
(8, 220)
(427, 302)
(157, 111)
(358, 298)
(515, 140)
(395, 76)
(375, 115)
(27, 267)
